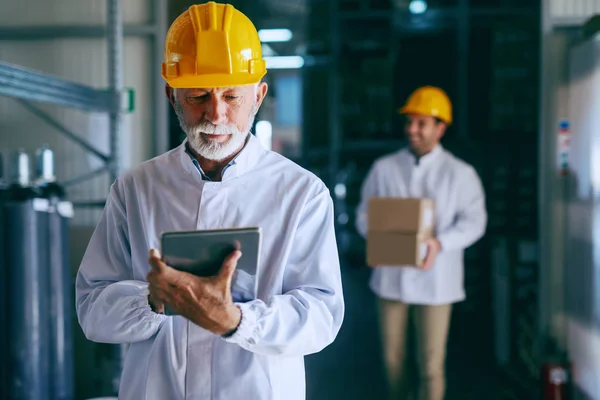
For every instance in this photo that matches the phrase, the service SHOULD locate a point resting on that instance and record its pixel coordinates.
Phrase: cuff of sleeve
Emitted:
(247, 330)
(125, 315)
(154, 321)
(144, 303)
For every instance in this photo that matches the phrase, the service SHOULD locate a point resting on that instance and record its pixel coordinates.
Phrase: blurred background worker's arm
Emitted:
(470, 219)
(112, 307)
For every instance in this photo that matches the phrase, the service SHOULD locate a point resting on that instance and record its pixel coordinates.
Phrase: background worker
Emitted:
(247, 343)
(421, 298)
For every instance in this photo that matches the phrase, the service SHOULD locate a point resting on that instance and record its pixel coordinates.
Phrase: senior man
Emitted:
(219, 346)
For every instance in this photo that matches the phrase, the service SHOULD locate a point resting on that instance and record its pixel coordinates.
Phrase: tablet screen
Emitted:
(203, 252)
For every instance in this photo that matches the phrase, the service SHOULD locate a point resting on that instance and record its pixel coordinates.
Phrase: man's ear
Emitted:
(261, 92)
(170, 92)
(442, 126)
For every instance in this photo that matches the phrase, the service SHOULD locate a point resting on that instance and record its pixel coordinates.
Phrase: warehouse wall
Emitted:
(561, 11)
(559, 20)
(582, 270)
(83, 61)
(552, 202)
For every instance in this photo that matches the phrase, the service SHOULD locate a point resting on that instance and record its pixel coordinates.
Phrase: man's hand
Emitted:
(155, 304)
(206, 302)
(433, 248)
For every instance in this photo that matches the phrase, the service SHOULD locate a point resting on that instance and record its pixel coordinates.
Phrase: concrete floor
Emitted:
(351, 368)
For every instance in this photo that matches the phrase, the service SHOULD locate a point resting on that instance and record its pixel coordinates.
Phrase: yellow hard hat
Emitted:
(212, 45)
(429, 100)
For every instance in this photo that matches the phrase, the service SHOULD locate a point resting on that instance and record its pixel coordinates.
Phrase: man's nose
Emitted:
(411, 128)
(215, 111)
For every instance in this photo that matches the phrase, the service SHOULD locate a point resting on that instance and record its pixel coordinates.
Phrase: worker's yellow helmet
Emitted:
(429, 100)
(212, 45)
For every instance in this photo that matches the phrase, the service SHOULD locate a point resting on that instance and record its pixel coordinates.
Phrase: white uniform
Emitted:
(460, 221)
(297, 306)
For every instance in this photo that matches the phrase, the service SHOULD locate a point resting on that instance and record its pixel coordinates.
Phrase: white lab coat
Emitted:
(297, 306)
(460, 221)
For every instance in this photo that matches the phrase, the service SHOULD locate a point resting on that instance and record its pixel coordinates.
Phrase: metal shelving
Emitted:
(34, 86)
(28, 86)
(69, 31)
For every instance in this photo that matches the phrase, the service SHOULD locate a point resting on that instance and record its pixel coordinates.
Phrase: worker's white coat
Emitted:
(294, 307)
(460, 216)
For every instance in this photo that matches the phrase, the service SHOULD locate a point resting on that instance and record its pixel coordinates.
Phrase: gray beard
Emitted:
(198, 140)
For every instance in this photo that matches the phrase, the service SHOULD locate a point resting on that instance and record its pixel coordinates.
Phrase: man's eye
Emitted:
(230, 97)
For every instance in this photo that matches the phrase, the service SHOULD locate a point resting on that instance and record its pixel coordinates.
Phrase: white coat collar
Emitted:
(425, 159)
(244, 162)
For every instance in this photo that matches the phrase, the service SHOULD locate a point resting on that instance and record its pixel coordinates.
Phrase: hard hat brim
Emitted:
(407, 110)
(214, 80)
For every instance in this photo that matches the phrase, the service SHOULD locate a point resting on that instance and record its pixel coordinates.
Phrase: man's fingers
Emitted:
(233, 257)
(155, 261)
(427, 264)
(160, 293)
(431, 254)
(151, 276)
(228, 267)
(154, 253)
(159, 267)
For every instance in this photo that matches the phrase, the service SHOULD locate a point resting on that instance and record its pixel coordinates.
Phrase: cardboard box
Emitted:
(397, 229)
(390, 248)
(394, 214)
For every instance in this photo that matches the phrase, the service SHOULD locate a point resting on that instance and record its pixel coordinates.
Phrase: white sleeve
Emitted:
(368, 190)
(111, 306)
(308, 315)
(471, 219)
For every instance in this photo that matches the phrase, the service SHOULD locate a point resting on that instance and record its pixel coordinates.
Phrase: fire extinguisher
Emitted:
(555, 381)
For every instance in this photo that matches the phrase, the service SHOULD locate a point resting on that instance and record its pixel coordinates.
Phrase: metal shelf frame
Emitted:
(68, 32)
(29, 86)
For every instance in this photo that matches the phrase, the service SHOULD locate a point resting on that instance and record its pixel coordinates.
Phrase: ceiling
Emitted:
(269, 14)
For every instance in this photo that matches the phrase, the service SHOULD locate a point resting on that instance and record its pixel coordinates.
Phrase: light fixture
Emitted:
(267, 51)
(417, 6)
(264, 134)
(340, 191)
(284, 62)
(274, 35)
